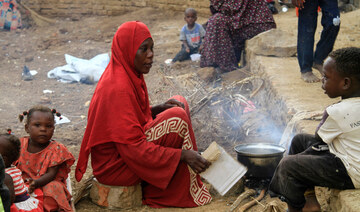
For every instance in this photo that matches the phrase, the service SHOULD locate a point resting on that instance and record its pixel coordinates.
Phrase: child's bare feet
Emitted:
(319, 67)
(309, 77)
(311, 205)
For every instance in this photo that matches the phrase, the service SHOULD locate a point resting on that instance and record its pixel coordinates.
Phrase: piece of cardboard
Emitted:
(212, 153)
(224, 173)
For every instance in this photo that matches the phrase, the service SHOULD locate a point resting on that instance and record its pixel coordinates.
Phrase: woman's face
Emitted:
(144, 57)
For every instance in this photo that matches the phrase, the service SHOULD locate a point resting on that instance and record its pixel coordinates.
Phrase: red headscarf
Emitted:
(119, 108)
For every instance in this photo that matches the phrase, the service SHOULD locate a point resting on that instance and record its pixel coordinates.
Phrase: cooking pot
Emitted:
(261, 159)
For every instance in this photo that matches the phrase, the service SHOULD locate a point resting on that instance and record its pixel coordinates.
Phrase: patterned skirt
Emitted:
(223, 44)
(172, 128)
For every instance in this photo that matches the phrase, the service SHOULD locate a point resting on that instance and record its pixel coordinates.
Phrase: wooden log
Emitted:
(252, 202)
(241, 198)
(116, 197)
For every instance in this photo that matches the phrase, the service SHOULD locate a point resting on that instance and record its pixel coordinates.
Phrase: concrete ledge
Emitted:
(116, 197)
(347, 200)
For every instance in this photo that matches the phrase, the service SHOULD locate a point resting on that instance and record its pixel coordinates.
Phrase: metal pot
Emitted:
(261, 159)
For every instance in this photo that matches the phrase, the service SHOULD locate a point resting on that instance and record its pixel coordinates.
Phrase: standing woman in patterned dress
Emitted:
(231, 24)
(131, 142)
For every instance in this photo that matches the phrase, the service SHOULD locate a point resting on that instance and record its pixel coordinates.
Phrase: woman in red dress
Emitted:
(131, 142)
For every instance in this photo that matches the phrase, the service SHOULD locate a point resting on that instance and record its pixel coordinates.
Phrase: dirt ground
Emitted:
(43, 48)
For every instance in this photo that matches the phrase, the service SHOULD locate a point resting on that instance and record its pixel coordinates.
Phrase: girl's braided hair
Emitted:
(13, 153)
(39, 108)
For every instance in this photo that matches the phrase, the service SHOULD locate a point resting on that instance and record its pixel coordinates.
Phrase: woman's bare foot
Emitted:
(311, 205)
(319, 67)
(309, 77)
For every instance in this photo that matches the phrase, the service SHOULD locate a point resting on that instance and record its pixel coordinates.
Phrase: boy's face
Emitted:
(190, 18)
(332, 82)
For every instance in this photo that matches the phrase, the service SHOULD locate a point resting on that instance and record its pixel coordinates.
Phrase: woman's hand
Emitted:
(298, 3)
(174, 103)
(194, 160)
(168, 104)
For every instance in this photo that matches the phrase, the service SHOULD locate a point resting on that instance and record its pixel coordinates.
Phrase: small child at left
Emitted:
(191, 36)
(20, 199)
(45, 162)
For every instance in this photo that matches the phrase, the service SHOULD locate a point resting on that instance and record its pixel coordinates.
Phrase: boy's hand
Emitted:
(187, 49)
(298, 3)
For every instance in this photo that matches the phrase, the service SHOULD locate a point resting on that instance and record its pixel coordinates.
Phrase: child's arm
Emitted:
(186, 46)
(8, 181)
(44, 179)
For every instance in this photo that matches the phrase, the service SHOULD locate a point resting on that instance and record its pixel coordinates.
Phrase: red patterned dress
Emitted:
(34, 165)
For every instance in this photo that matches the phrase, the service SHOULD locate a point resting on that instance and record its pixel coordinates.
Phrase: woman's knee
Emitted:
(184, 101)
(176, 112)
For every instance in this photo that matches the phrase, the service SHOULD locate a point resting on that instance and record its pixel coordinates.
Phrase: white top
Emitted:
(341, 131)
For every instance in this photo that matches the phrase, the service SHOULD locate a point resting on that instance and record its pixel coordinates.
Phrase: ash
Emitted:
(257, 184)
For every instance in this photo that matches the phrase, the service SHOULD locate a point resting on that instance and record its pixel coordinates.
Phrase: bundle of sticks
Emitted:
(38, 19)
(240, 200)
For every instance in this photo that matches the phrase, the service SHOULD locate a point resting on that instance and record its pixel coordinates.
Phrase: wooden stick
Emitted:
(257, 89)
(252, 202)
(85, 187)
(241, 197)
(36, 15)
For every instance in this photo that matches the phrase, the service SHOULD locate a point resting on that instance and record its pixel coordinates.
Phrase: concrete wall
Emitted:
(71, 8)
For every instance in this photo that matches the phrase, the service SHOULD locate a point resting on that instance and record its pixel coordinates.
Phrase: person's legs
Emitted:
(50, 204)
(181, 55)
(218, 48)
(239, 36)
(307, 24)
(331, 25)
(297, 173)
(301, 142)
(172, 128)
(56, 196)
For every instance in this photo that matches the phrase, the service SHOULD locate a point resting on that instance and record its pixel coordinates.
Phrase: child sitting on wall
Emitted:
(330, 158)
